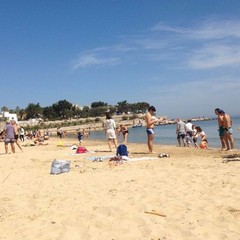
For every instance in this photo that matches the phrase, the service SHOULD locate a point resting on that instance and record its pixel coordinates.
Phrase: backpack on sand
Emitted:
(81, 150)
(122, 150)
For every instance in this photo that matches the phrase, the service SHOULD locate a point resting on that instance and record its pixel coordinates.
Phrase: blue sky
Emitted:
(182, 56)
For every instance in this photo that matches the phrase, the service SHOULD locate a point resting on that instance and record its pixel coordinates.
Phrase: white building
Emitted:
(10, 116)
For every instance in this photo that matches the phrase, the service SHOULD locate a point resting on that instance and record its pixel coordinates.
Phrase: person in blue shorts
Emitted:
(80, 137)
(151, 120)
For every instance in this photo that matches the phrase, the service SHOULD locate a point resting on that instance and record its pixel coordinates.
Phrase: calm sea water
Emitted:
(166, 134)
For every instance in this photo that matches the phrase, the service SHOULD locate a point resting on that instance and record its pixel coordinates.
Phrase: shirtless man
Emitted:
(227, 125)
(150, 121)
(221, 128)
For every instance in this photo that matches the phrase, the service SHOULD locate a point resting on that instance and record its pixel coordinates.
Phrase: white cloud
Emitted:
(217, 29)
(93, 60)
(208, 44)
(215, 56)
(208, 29)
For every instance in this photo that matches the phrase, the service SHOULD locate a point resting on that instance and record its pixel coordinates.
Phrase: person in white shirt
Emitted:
(110, 131)
(189, 132)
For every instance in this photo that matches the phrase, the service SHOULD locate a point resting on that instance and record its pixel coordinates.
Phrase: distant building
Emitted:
(9, 116)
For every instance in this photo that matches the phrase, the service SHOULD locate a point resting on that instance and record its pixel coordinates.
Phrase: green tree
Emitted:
(49, 113)
(5, 109)
(98, 104)
(33, 110)
(63, 109)
(98, 111)
(85, 112)
(21, 114)
(142, 107)
(17, 109)
(123, 106)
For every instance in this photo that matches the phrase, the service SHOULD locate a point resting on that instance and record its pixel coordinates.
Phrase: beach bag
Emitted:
(81, 150)
(122, 150)
(60, 166)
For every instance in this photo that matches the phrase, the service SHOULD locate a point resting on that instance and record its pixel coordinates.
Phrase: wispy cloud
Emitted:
(217, 29)
(206, 29)
(208, 44)
(215, 56)
(94, 60)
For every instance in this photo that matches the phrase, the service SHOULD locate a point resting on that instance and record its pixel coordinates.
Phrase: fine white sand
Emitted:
(191, 195)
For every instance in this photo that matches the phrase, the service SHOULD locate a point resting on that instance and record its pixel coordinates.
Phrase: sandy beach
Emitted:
(191, 195)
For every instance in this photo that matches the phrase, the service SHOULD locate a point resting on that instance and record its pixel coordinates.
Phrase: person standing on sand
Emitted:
(194, 136)
(80, 136)
(9, 137)
(22, 133)
(220, 128)
(150, 122)
(16, 130)
(181, 132)
(227, 125)
(110, 131)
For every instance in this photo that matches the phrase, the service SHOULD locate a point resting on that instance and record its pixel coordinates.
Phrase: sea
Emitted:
(166, 134)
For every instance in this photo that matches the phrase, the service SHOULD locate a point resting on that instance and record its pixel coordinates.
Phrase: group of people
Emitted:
(188, 133)
(12, 133)
(111, 131)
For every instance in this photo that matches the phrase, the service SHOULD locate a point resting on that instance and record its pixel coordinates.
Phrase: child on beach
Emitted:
(80, 136)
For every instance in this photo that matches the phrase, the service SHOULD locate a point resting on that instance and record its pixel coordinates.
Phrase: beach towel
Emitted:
(95, 158)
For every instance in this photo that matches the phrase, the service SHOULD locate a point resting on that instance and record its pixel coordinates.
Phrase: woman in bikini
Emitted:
(124, 130)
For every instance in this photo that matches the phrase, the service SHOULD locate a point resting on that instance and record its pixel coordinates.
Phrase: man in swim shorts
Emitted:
(221, 130)
(150, 121)
(228, 132)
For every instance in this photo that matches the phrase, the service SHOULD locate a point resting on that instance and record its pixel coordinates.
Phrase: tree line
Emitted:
(63, 109)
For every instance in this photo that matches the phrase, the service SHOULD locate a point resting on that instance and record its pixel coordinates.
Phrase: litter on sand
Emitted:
(162, 155)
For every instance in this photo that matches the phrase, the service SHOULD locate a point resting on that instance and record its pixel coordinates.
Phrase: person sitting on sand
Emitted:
(40, 141)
